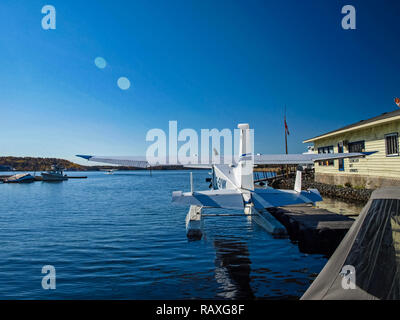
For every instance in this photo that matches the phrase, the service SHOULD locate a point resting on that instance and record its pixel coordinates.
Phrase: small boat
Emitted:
(55, 174)
(20, 178)
(109, 171)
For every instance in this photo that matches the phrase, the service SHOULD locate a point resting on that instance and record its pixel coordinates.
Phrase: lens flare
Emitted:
(100, 62)
(123, 83)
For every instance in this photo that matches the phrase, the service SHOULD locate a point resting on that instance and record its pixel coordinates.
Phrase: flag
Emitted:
(397, 101)
(286, 127)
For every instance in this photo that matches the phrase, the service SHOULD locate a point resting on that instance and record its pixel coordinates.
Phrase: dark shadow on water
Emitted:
(232, 268)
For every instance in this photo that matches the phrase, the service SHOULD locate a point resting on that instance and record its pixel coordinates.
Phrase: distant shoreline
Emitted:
(43, 164)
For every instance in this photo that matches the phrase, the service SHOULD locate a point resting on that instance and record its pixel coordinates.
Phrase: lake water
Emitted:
(119, 237)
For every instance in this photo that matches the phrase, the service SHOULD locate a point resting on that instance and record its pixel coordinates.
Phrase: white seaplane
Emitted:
(232, 184)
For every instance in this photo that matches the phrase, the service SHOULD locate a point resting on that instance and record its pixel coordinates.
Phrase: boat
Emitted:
(20, 178)
(109, 171)
(55, 174)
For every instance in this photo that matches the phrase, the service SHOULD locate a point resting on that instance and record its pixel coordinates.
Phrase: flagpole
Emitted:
(286, 149)
(285, 132)
(286, 141)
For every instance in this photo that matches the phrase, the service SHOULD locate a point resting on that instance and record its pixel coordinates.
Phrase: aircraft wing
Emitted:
(269, 198)
(198, 166)
(232, 199)
(304, 158)
(144, 162)
(139, 161)
(224, 198)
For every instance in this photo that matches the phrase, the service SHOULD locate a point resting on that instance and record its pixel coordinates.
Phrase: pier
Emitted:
(316, 231)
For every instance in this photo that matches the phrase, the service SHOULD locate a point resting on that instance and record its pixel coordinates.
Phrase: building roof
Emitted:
(384, 117)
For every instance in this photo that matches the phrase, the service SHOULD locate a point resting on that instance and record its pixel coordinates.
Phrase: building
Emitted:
(380, 134)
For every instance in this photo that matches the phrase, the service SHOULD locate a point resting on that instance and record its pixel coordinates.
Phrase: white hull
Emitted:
(20, 178)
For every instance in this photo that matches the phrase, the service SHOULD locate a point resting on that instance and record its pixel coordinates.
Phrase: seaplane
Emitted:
(232, 183)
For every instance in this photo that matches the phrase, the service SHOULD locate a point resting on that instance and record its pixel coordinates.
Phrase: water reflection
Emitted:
(340, 207)
(232, 268)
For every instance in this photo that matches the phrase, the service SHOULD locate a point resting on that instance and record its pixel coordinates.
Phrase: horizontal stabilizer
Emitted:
(269, 198)
(229, 199)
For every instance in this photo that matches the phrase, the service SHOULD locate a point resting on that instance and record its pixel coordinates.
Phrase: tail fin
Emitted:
(244, 170)
(297, 184)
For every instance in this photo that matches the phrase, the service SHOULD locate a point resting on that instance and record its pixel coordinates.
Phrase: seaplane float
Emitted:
(232, 183)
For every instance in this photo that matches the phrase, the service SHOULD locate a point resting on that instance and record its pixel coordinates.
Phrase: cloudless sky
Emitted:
(207, 64)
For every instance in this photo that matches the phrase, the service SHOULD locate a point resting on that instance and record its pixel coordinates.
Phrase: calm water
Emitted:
(119, 237)
(340, 207)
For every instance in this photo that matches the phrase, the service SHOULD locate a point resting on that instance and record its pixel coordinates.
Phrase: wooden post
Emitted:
(191, 182)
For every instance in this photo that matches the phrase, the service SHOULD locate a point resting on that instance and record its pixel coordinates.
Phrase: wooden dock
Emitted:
(40, 178)
(314, 230)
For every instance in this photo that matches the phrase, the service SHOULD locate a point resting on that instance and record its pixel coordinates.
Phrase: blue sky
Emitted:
(206, 64)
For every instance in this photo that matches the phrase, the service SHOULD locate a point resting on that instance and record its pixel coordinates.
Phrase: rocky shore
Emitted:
(344, 193)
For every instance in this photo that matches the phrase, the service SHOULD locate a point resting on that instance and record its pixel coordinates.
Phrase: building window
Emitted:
(358, 146)
(392, 144)
(328, 149)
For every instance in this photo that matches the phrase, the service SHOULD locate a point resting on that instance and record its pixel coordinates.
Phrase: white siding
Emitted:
(377, 164)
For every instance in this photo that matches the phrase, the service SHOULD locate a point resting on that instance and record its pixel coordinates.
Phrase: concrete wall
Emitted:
(369, 182)
(371, 172)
